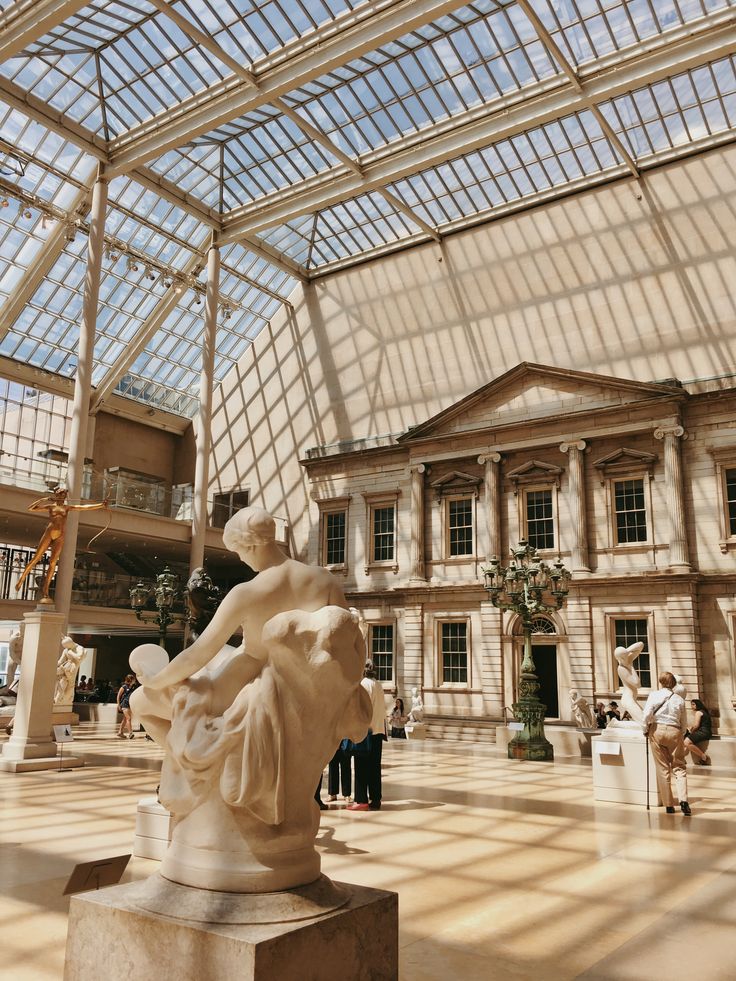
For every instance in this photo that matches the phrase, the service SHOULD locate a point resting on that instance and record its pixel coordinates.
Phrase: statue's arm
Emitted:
(41, 504)
(87, 507)
(222, 625)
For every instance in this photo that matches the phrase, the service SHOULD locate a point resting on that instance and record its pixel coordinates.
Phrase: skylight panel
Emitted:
(374, 100)
(692, 106)
(528, 164)
(593, 28)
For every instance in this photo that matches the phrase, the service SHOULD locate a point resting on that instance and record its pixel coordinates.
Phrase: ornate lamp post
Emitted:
(164, 595)
(528, 586)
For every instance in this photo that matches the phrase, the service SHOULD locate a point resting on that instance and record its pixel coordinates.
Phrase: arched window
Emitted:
(541, 625)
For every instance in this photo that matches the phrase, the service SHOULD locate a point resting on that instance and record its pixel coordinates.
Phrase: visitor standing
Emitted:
(369, 751)
(123, 700)
(664, 722)
(397, 720)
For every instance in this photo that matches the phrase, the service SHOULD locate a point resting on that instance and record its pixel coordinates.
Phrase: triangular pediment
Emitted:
(533, 392)
(455, 482)
(533, 471)
(625, 459)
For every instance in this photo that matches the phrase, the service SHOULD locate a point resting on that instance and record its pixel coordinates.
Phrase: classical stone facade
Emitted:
(632, 484)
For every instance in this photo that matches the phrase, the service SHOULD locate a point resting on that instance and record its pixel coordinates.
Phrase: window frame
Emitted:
(391, 682)
(219, 504)
(439, 653)
(648, 617)
(645, 485)
(330, 506)
(446, 504)
(374, 502)
(724, 460)
(524, 516)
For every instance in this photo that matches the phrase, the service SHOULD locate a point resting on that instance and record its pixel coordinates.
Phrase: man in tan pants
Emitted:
(665, 721)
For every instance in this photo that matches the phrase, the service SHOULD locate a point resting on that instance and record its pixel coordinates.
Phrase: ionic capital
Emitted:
(663, 431)
(573, 444)
(489, 458)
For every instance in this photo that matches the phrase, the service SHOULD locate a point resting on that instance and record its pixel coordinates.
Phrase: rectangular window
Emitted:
(731, 500)
(630, 510)
(382, 650)
(540, 524)
(454, 652)
(383, 520)
(628, 632)
(334, 552)
(225, 506)
(460, 526)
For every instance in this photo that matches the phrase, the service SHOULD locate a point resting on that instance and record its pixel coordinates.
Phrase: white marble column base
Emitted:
(39, 763)
(358, 940)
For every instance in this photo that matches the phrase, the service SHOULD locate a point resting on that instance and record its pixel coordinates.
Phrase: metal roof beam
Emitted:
(477, 129)
(349, 36)
(27, 20)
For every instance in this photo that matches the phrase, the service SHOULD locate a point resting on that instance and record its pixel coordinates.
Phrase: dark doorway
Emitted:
(545, 660)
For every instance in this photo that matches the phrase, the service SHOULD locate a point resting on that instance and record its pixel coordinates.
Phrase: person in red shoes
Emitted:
(368, 751)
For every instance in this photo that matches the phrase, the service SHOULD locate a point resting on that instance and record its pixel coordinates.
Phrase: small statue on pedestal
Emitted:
(630, 680)
(15, 653)
(582, 713)
(67, 668)
(416, 713)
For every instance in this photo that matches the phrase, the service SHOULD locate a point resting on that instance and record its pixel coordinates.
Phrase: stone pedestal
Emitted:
(319, 932)
(620, 767)
(415, 730)
(152, 829)
(31, 746)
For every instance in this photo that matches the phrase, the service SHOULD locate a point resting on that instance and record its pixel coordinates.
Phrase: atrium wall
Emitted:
(631, 279)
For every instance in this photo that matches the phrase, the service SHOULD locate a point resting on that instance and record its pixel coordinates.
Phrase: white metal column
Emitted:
(204, 423)
(82, 391)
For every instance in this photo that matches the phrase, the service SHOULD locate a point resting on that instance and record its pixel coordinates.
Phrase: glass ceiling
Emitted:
(308, 135)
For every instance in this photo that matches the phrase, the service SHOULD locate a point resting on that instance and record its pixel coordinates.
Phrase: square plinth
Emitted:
(623, 767)
(358, 941)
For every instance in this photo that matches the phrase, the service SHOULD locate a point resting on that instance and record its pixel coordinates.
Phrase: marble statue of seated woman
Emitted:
(247, 731)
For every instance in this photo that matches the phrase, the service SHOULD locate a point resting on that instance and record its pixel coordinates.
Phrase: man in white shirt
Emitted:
(665, 721)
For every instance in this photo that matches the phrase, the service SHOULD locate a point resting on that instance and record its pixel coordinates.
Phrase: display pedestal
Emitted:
(620, 767)
(31, 746)
(322, 931)
(415, 730)
(152, 829)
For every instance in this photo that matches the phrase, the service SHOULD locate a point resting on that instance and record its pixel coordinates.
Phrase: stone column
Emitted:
(82, 392)
(492, 483)
(32, 747)
(671, 436)
(204, 422)
(417, 521)
(579, 559)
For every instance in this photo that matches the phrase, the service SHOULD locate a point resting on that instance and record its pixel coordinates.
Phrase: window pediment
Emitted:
(625, 460)
(456, 483)
(535, 472)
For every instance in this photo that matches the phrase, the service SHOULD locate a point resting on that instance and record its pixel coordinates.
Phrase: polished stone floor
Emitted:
(505, 870)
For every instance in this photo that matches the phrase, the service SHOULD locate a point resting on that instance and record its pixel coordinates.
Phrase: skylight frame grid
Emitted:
(190, 175)
(536, 161)
(256, 268)
(240, 32)
(649, 119)
(146, 65)
(271, 155)
(29, 137)
(293, 238)
(351, 103)
(622, 23)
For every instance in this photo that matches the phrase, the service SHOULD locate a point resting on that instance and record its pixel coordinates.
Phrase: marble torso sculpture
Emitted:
(417, 706)
(15, 653)
(625, 657)
(247, 731)
(66, 671)
(582, 713)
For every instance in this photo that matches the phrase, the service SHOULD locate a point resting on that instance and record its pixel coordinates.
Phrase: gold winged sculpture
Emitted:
(53, 535)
